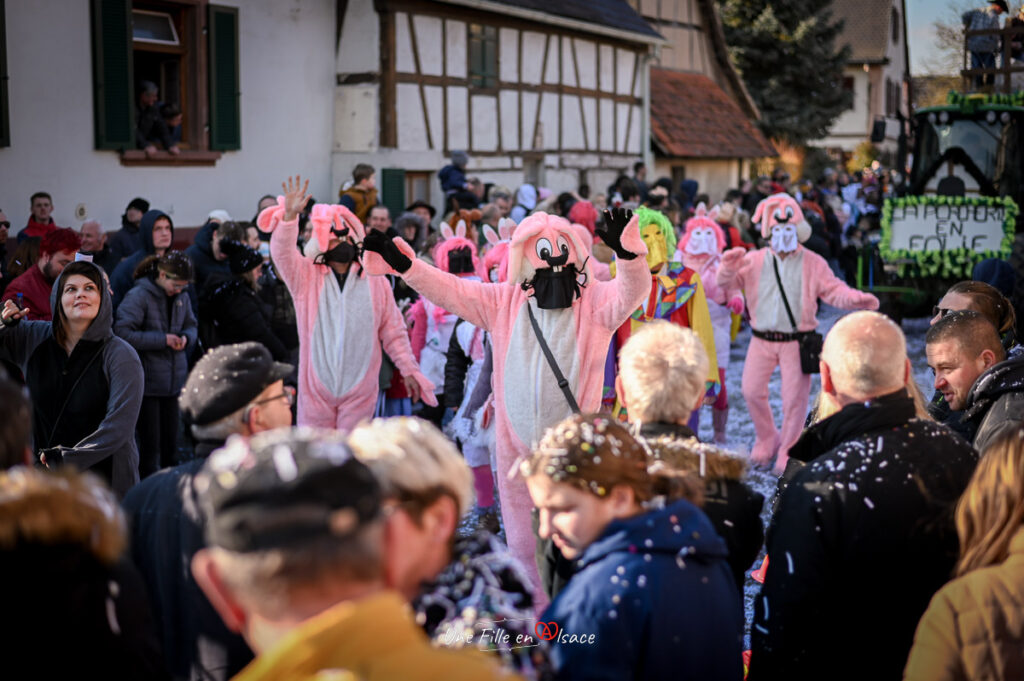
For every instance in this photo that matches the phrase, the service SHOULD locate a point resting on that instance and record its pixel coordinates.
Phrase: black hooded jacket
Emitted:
(996, 400)
(861, 538)
(121, 281)
(204, 263)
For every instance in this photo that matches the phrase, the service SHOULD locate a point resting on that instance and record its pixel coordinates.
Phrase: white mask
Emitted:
(702, 242)
(784, 238)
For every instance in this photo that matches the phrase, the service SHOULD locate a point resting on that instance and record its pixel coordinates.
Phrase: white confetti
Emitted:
(869, 503)
(284, 463)
(789, 562)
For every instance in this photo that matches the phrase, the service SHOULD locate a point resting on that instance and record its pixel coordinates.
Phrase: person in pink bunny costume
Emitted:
(805, 277)
(700, 249)
(576, 318)
(343, 315)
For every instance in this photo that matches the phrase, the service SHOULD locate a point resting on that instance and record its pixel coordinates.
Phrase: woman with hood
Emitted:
(86, 383)
(157, 231)
(526, 201)
(156, 319)
(639, 545)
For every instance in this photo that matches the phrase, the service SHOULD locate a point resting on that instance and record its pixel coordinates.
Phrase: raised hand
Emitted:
(733, 256)
(378, 242)
(11, 312)
(295, 197)
(615, 222)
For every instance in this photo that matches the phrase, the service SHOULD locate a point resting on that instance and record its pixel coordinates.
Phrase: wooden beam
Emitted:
(579, 98)
(388, 101)
(423, 94)
(540, 96)
(444, 87)
(632, 89)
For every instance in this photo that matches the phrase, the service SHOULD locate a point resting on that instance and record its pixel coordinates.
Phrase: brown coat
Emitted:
(974, 627)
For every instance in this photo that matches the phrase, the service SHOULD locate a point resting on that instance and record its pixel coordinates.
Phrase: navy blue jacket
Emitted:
(122, 279)
(204, 263)
(657, 593)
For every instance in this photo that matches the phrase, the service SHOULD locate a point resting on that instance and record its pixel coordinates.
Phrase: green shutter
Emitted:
(113, 109)
(225, 113)
(5, 121)
(393, 189)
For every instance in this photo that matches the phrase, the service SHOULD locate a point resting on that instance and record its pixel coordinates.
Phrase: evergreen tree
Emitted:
(787, 56)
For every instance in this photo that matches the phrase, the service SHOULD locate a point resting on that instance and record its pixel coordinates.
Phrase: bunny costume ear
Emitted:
(460, 229)
(505, 228)
(446, 231)
(701, 210)
(270, 216)
(491, 235)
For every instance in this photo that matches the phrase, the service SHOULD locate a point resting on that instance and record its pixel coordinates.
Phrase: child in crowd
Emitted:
(156, 318)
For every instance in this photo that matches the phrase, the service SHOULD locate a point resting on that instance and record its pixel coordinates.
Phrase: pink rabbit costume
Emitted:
(339, 326)
(806, 277)
(527, 399)
(700, 249)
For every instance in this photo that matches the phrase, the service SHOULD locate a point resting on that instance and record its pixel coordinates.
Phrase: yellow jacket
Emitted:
(373, 639)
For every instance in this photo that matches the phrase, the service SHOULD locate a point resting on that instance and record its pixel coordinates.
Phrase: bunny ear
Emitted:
(446, 230)
(491, 235)
(460, 229)
(713, 213)
(701, 209)
(505, 227)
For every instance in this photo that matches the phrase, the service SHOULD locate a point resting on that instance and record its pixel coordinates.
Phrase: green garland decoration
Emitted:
(969, 103)
(954, 263)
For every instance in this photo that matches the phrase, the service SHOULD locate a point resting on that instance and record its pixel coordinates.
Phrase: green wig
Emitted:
(649, 216)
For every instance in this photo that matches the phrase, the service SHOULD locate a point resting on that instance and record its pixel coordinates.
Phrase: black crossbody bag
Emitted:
(810, 341)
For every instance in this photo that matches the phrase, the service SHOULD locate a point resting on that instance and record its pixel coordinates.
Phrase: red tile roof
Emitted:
(691, 116)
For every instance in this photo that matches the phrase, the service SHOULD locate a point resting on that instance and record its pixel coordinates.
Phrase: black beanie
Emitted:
(139, 204)
(241, 258)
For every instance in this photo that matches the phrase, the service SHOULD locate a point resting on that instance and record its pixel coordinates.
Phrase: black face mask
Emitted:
(343, 253)
(554, 290)
(460, 261)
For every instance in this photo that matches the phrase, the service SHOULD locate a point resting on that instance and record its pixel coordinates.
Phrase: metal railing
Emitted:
(1007, 67)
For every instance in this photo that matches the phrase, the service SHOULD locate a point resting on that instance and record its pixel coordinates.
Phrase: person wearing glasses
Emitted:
(156, 319)
(233, 390)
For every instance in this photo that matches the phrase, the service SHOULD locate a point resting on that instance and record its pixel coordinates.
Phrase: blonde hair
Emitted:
(991, 510)
(663, 367)
(412, 460)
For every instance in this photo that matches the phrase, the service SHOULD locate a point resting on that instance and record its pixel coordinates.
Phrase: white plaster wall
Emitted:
(509, 104)
(485, 123)
(412, 129)
(633, 138)
(455, 48)
(529, 117)
(359, 46)
(550, 119)
(508, 54)
(624, 64)
(622, 112)
(590, 121)
(551, 72)
(714, 177)
(607, 73)
(458, 118)
(435, 113)
(534, 45)
(568, 63)
(51, 111)
(356, 117)
(572, 123)
(607, 134)
(428, 44)
(404, 60)
(855, 121)
(586, 59)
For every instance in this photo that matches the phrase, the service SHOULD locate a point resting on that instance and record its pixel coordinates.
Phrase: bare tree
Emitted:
(949, 39)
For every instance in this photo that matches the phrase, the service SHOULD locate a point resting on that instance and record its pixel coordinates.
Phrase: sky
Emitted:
(920, 35)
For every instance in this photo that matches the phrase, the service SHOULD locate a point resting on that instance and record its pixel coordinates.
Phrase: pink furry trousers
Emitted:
(762, 358)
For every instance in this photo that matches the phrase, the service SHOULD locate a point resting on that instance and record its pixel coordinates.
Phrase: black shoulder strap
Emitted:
(563, 384)
(782, 291)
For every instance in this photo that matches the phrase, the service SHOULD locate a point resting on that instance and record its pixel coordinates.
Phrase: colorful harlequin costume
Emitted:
(806, 277)
(341, 327)
(700, 249)
(675, 293)
(577, 329)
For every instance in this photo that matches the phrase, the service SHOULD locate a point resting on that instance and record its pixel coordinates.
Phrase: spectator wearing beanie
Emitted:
(128, 239)
(156, 319)
(56, 250)
(229, 307)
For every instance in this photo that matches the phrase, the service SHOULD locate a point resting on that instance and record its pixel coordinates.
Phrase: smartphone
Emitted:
(19, 300)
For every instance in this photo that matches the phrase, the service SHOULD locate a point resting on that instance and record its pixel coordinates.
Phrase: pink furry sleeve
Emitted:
(730, 272)
(295, 269)
(613, 301)
(418, 333)
(835, 292)
(476, 302)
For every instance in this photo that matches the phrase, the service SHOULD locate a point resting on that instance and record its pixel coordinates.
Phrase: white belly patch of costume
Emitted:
(344, 334)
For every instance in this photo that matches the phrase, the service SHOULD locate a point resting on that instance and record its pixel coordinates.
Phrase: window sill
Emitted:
(137, 157)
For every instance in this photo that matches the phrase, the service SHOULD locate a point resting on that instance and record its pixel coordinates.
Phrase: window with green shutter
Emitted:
(112, 74)
(5, 121)
(483, 56)
(225, 115)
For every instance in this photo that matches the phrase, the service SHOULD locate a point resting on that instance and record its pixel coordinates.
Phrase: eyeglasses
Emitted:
(940, 312)
(288, 395)
(4, 224)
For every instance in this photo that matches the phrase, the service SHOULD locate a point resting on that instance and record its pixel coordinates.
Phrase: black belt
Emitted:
(779, 336)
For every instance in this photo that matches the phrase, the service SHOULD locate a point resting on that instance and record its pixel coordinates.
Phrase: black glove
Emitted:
(378, 242)
(615, 221)
(54, 457)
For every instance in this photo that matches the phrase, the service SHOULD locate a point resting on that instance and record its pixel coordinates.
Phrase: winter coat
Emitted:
(74, 607)
(453, 178)
(656, 593)
(483, 590)
(974, 627)
(85, 405)
(861, 538)
(142, 320)
(981, 19)
(122, 279)
(35, 290)
(733, 508)
(235, 314)
(204, 264)
(359, 201)
(124, 241)
(996, 400)
(167, 522)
